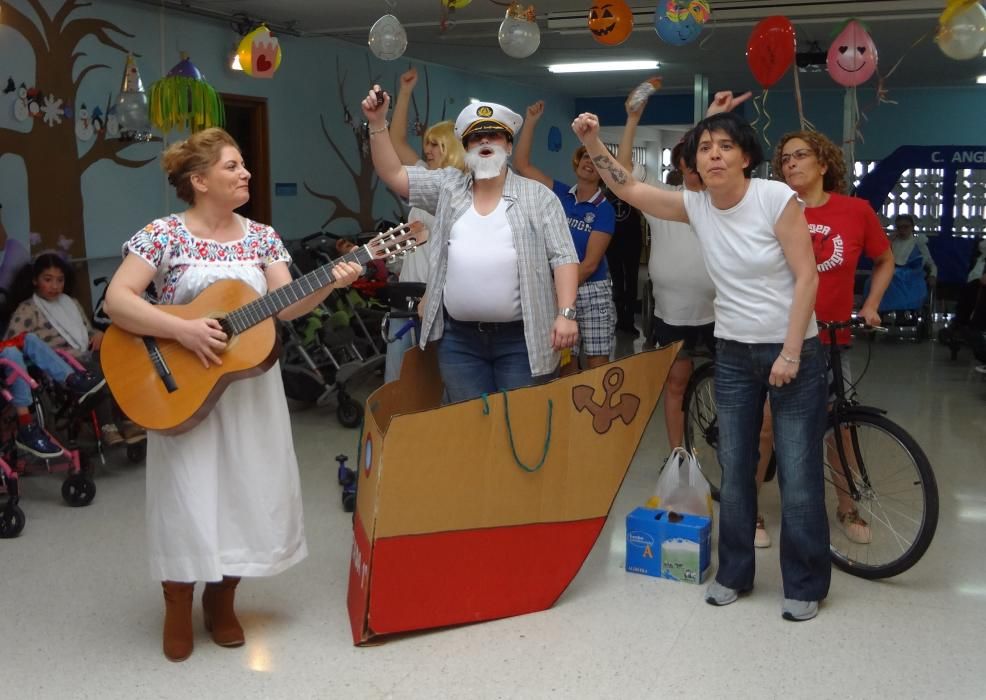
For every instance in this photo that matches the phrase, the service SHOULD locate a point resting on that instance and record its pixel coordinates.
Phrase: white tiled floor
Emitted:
(81, 617)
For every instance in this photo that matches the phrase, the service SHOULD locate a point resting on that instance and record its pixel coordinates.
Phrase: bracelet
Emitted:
(383, 128)
(789, 359)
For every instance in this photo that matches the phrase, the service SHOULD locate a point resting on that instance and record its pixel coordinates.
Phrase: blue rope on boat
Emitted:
(510, 432)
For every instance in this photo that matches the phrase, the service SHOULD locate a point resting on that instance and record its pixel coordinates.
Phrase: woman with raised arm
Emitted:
(591, 221)
(223, 498)
(440, 150)
(758, 253)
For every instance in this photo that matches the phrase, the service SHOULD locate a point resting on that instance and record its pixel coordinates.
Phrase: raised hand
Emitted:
(409, 79)
(535, 111)
(375, 105)
(725, 101)
(586, 126)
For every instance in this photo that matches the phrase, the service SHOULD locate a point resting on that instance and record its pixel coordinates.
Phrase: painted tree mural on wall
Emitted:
(363, 175)
(49, 146)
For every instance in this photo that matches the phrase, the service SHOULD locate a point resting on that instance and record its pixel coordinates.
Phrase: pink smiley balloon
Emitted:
(852, 57)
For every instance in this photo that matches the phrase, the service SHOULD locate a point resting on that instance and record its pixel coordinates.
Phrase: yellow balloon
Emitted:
(259, 53)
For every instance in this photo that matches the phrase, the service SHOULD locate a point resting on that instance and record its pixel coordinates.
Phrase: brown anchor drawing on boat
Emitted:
(605, 413)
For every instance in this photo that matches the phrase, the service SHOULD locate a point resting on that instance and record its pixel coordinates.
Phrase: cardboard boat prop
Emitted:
(487, 508)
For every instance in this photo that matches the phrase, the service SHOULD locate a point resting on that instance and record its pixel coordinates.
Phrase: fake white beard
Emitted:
(488, 167)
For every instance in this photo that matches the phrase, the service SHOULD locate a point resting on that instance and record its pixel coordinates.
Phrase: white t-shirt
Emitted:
(754, 284)
(481, 281)
(416, 266)
(683, 290)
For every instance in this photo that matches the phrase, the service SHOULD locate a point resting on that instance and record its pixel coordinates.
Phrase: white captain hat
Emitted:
(485, 117)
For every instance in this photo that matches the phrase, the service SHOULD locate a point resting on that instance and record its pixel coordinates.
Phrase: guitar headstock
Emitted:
(398, 241)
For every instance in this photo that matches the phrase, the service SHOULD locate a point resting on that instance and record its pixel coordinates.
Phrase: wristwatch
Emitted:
(568, 312)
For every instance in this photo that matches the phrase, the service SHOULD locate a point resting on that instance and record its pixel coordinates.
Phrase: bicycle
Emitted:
(876, 466)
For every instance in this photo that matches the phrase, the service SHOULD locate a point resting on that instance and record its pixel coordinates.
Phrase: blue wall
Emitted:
(304, 92)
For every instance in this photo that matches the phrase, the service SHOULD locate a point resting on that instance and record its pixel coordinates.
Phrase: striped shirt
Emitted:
(541, 238)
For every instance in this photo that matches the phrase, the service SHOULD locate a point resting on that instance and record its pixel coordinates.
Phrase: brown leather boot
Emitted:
(220, 618)
(178, 619)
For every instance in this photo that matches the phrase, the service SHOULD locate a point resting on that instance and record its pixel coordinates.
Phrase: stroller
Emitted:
(78, 488)
(331, 346)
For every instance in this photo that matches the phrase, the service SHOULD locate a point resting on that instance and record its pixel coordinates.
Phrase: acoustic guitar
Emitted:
(161, 385)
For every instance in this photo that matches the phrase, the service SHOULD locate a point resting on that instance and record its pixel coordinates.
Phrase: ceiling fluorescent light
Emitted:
(602, 66)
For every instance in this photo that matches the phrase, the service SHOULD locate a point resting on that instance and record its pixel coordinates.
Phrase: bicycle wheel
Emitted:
(702, 424)
(897, 496)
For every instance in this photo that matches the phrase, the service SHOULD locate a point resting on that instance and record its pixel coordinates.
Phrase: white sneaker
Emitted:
(761, 538)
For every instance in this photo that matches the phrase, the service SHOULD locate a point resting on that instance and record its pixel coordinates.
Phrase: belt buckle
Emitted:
(485, 326)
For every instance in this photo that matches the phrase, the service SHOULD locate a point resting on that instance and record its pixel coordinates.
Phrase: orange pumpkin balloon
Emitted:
(610, 21)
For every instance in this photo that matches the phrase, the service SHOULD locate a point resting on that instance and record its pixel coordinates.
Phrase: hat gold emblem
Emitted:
(484, 111)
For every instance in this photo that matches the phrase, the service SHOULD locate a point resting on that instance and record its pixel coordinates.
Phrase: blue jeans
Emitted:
(41, 356)
(798, 409)
(476, 359)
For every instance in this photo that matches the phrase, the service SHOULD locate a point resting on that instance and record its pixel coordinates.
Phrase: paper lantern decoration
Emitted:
(128, 119)
(682, 21)
(770, 49)
(852, 57)
(610, 21)
(388, 40)
(455, 4)
(259, 53)
(519, 34)
(962, 30)
(183, 100)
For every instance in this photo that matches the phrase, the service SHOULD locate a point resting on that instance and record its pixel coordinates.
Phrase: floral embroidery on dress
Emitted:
(172, 249)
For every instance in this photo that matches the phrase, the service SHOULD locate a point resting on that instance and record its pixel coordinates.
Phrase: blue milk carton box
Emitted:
(669, 545)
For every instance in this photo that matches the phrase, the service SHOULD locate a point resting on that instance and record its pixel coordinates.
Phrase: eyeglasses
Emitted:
(799, 154)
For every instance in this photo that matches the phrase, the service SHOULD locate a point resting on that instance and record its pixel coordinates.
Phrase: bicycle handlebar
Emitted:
(855, 322)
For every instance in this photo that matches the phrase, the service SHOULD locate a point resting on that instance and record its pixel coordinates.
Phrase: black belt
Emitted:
(487, 326)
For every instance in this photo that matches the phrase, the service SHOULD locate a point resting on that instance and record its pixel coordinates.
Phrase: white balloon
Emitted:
(519, 38)
(965, 34)
(388, 40)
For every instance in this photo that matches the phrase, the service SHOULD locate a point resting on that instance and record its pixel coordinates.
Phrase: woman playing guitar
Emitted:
(223, 498)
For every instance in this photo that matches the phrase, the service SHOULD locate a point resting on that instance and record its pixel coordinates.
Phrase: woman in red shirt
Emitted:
(842, 229)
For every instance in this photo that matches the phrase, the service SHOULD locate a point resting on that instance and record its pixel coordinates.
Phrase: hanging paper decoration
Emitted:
(455, 4)
(610, 21)
(183, 100)
(387, 40)
(128, 119)
(259, 53)
(962, 30)
(852, 57)
(770, 49)
(681, 21)
(519, 34)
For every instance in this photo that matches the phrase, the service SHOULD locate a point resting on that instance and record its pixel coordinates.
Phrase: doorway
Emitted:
(246, 122)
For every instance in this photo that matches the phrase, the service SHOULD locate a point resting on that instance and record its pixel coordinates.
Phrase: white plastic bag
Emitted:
(682, 487)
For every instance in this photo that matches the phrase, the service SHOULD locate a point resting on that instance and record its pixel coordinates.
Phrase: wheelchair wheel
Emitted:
(78, 490)
(137, 452)
(349, 412)
(11, 521)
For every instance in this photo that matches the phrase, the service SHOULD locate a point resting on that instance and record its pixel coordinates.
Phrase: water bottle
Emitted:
(642, 92)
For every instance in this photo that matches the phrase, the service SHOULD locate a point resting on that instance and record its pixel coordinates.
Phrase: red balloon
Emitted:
(770, 49)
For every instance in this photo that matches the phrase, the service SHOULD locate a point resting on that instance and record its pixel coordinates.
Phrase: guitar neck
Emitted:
(273, 303)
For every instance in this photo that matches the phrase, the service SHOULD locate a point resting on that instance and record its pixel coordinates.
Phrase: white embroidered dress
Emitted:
(223, 498)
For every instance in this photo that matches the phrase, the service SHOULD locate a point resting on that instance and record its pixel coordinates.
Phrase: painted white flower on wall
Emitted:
(52, 110)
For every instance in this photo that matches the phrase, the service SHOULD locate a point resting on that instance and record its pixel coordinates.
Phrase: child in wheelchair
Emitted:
(78, 384)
